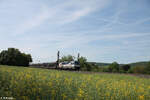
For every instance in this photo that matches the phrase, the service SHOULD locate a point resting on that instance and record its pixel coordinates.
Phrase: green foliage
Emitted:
(143, 64)
(67, 58)
(14, 57)
(124, 68)
(86, 66)
(122, 71)
(114, 67)
(83, 63)
(94, 67)
(148, 68)
(138, 67)
(139, 70)
(130, 70)
(104, 69)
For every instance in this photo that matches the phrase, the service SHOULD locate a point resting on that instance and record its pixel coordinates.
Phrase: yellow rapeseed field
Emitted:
(24, 83)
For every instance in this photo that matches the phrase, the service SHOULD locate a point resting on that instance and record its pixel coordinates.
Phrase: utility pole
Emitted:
(57, 65)
(78, 56)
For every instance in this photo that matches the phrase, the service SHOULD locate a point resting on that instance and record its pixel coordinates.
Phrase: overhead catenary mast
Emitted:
(57, 59)
(78, 56)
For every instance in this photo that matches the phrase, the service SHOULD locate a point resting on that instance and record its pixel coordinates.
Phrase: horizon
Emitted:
(95, 62)
(100, 30)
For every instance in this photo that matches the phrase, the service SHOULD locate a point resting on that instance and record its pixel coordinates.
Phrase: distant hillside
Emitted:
(101, 64)
(143, 64)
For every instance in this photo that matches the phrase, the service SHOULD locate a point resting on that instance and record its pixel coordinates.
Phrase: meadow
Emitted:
(23, 83)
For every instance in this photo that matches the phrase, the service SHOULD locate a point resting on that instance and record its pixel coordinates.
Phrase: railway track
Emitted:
(54, 68)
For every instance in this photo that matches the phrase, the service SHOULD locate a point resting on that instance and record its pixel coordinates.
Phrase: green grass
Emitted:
(24, 83)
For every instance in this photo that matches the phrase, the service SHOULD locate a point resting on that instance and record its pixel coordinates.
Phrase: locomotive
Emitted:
(69, 65)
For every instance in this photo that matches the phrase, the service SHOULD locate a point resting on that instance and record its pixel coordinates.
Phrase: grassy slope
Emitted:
(35, 83)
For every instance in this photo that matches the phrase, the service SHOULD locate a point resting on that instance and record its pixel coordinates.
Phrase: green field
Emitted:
(24, 83)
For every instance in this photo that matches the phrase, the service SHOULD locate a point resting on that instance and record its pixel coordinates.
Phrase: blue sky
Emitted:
(101, 30)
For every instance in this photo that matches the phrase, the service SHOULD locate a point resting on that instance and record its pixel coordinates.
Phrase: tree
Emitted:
(14, 57)
(82, 60)
(83, 63)
(114, 67)
(86, 66)
(3, 57)
(67, 58)
(148, 68)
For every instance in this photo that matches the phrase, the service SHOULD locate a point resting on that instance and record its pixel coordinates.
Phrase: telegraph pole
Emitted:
(78, 56)
(57, 65)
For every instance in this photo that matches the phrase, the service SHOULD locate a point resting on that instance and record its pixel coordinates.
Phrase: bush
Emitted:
(14, 57)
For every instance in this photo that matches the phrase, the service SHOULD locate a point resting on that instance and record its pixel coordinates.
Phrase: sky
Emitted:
(100, 30)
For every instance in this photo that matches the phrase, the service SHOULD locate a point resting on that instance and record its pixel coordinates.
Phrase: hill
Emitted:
(143, 64)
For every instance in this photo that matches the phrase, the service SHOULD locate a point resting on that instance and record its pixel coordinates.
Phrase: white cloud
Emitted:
(76, 15)
(45, 20)
(59, 14)
(33, 22)
(77, 40)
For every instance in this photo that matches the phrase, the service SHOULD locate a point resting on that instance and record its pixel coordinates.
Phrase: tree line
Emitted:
(112, 68)
(14, 57)
(126, 68)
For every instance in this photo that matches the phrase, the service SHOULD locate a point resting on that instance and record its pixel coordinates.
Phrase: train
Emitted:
(69, 65)
(66, 65)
